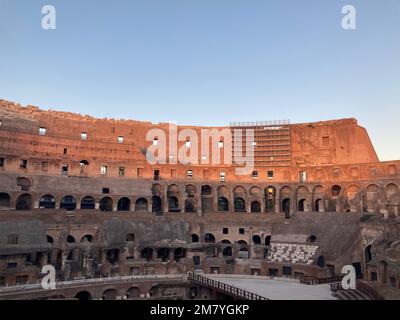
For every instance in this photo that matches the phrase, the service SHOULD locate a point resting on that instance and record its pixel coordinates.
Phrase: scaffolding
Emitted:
(272, 141)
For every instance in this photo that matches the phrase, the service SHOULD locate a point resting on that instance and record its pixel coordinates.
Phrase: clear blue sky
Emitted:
(208, 62)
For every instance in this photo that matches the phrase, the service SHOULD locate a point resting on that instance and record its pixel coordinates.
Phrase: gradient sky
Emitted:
(208, 62)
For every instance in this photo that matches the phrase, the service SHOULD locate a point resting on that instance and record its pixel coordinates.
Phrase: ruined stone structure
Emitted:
(78, 192)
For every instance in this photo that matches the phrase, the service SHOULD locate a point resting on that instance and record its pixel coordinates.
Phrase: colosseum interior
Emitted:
(78, 193)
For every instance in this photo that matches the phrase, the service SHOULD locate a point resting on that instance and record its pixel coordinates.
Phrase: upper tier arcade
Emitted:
(36, 141)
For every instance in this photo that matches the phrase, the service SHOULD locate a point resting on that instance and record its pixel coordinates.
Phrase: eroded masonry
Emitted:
(78, 193)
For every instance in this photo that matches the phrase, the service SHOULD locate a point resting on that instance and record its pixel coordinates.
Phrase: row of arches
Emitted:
(210, 238)
(286, 200)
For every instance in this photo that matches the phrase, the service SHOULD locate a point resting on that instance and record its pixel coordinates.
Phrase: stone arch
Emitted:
(163, 254)
(154, 291)
(206, 190)
(133, 293)
(286, 207)
(5, 201)
(68, 203)
(157, 190)
(190, 190)
(147, 253)
(240, 191)
(223, 204)
(367, 255)
(124, 204)
(352, 193)
(88, 203)
(270, 198)
(191, 205)
(223, 191)
(49, 239)
(48, 201)
(141, 205)
(70, 239)
(255, 206)
(110, 294)
(194, 238)
(173, 195)
(255, 191)
(318, 198)
(179, 253)
(303, 198)
(83, 296)
(173, 204)
(227, 251)
(240, 205)
(209, 238)
(206, 199)
(156, 204)
(106, 204)
(87, 238)
(24, 202)
(256, 239)
(372, 195)
(336, 191)
(391, 189)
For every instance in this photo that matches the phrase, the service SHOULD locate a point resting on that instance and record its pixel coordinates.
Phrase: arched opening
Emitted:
(88, 203)
(206, 199)
(179, 253)
(190, 205)
(70, 239)
(336, 190)
(206, 190)
(173, 204)
(83, 296)
(321, 262)
(240, 205)
(286, 207)
(124, 204)
(223, 204)
(24, 202)
(106, 204)
(87, 238)
(110, 294)
(227, 252)
(368, 254)
(147, 253)
(130, 237)
(68, 203)
(318, 205)
(255, 206)
(301, 205)
(268, 240)
(156, 204)
(195, 238)
(312, 239)
(163, 254)
(47, 202)
(270, 193)
(209, 238)
(112, 256)
(154, 291)
(133, 293)
(256, 239)
(49, 239)
(5, 201)
(141, 205)
(244, 253)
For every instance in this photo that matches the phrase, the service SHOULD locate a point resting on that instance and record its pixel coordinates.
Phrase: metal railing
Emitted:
(96, 281)
(224, 288)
